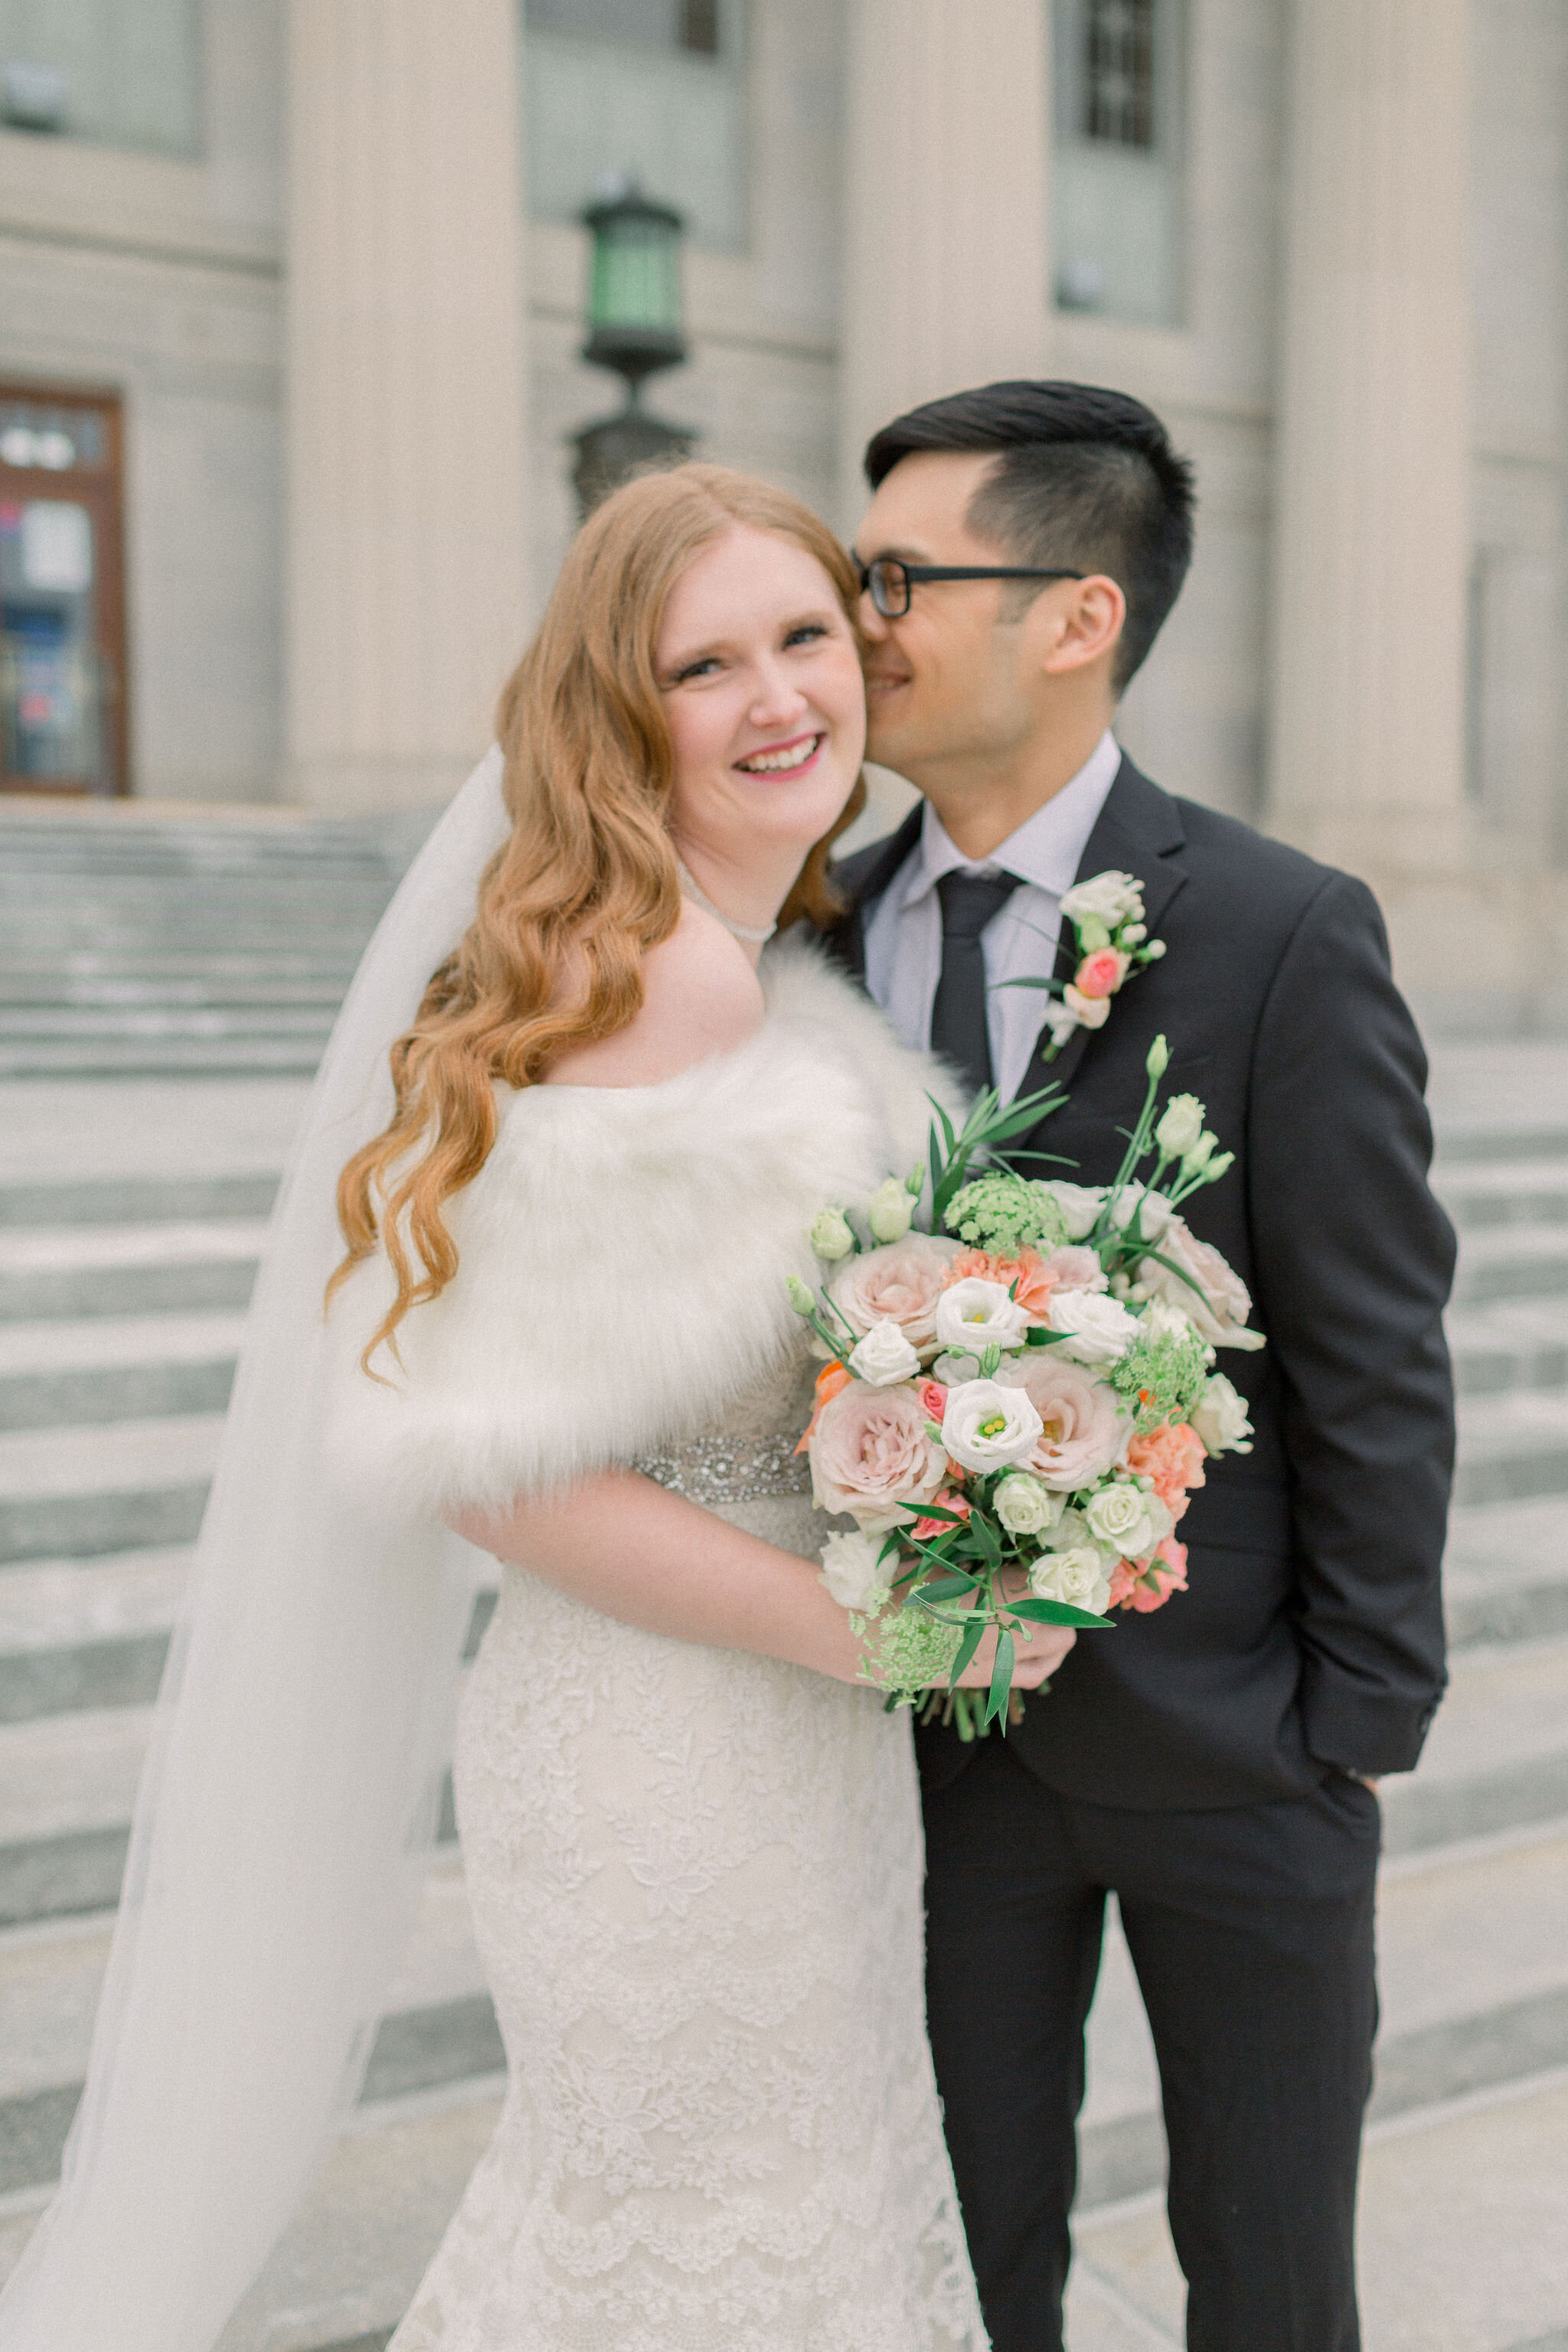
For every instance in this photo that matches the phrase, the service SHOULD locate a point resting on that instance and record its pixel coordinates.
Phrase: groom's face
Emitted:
(951, 683)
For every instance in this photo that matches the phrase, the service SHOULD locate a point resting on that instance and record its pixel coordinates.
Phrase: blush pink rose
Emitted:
(928, 1530)
(871, 1454)
(1033, 1276)
(1173, 1459)
(1101, 973)
(1086, 1425)
(901, 1282)
(1220, 1304)
(933, 1398)
(1076, 1268)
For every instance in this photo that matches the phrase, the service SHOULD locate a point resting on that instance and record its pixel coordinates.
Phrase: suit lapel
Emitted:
(861, 880)
(1138, 830)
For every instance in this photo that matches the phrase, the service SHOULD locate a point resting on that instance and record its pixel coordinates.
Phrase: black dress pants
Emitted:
(1251, 1931)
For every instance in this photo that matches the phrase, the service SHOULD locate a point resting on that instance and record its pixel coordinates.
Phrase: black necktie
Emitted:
(958, 1028)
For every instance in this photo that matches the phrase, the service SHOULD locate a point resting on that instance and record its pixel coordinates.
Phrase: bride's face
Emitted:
(760, 676)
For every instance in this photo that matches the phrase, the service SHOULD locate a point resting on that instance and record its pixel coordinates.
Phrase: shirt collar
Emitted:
(1047, 849)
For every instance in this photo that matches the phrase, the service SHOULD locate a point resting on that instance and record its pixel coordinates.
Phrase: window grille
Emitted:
(1118, 95)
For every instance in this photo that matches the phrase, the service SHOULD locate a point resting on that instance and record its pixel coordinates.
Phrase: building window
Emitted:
(651, 90)
(1117, 157)
(124, 73)
(63, 722)
(1119, 71)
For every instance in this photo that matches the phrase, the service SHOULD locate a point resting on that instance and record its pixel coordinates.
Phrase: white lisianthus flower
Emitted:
(1026, 1507)
(890, 1211)
(830, 1235)
(1060, 1020)
(1161, 1320)
(1181, 1124)
(1077, 1576)
(884, 1356)
(987, 1427)
(1129, 1516)
(1158, 1214)
(975, 1314)
(852, 1573)
(1080, 1205)
(1197, 1155)
(1220, 1419)
(1111, 897)
(1097, 1328)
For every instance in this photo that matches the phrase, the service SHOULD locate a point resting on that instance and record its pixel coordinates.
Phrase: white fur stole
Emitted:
(624, 1256)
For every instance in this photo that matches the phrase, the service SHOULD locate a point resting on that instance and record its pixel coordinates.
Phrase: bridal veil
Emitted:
(290, 1790)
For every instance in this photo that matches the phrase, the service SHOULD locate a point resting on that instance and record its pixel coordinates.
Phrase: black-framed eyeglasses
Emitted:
(889, 582)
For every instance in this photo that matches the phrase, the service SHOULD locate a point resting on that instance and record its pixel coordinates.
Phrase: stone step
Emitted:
(66, 1026)
(1517, 1343)
(69, 1270)
(1496, 1756)
(119, 988)
(138, 1200)
(165, 1057)
(1511, 1261)
(1483, 1194)
(1513, 1446)
(1505, 1573)
(1474, 1966)
(105, 1487)
(115, 1368)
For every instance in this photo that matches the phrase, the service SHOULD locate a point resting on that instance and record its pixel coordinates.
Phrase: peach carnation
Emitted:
(1035, 1279)
(829, 1380)
(1173, 1459)
(928, 1530)
(1149, 1584)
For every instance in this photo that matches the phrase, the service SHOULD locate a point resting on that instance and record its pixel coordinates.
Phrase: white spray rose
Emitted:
(830, 1235)
(1129, 1516)
(987, 1427)
(1076, 1575)
(1098, 1329)
(889, 1212)
(1181, 1124)
(1080, 1205)
(1158, 1215)
(1111, 897)
(884, 1356)
(852, 1571)
(1220, 1419)
(1061, 1021)
(1161, 1320)
(1026, 1507)
(975, 1314)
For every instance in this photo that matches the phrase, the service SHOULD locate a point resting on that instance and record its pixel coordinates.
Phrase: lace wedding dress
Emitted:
(695, 1874)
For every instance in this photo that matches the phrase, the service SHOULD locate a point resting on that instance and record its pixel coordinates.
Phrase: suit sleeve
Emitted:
(1354, 1260)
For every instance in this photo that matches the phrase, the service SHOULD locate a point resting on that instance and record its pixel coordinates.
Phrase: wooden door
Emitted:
(64, 723)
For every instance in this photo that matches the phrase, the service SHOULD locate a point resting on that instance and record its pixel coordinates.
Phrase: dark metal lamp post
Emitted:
(634, 329)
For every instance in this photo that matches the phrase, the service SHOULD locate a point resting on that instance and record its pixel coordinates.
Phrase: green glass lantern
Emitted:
(635, 328)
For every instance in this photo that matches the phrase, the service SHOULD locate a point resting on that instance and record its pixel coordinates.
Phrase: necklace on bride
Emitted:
(698, 896)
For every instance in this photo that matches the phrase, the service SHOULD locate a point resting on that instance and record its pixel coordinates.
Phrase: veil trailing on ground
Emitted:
(290, 1790)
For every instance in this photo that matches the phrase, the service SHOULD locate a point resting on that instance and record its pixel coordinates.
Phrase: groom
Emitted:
(1212, 1764)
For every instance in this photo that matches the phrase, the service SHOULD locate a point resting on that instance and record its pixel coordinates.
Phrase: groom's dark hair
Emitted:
(1085, 478)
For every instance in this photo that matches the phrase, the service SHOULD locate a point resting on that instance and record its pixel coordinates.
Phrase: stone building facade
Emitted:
(325, 255)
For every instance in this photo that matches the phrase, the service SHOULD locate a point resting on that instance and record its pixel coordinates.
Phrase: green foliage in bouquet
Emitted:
(1161, 1376)
(915, 1650)
(1008, 1213)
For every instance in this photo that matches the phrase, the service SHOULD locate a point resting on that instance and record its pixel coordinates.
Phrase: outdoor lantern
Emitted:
(634, 329)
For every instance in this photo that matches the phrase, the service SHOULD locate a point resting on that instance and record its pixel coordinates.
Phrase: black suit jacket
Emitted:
(1311, 1632)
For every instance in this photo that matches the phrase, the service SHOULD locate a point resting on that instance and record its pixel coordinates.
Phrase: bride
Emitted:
(691, 1833)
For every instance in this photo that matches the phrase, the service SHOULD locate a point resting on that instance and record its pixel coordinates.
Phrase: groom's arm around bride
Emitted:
(1207, 1762)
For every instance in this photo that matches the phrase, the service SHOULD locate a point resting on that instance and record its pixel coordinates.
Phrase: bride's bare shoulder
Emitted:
(700, 996)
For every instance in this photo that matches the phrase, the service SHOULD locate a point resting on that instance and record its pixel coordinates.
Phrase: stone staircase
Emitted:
(132, 944)
(123, 1274)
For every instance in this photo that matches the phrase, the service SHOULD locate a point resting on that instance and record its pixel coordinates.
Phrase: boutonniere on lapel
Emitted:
(1113, 944)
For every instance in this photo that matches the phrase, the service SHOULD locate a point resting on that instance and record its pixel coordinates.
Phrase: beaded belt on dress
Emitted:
(714, 1470)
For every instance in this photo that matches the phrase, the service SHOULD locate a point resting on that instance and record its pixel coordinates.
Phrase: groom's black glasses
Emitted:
(889, 584)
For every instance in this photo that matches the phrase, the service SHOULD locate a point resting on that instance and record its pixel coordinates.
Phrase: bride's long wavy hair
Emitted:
(586, 882)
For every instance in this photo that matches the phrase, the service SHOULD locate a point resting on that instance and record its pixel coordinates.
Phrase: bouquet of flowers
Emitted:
(1018, 1402)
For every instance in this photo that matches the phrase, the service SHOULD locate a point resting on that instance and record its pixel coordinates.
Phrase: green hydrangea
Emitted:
(914, 1651)
(1006, 1214)
(1162, 1377)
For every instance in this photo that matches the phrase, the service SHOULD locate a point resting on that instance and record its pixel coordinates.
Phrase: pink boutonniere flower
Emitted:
(1107, 918)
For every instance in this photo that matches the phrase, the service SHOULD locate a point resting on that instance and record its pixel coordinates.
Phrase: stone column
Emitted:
(406, 454)
(1371, 532)
(944, 207)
